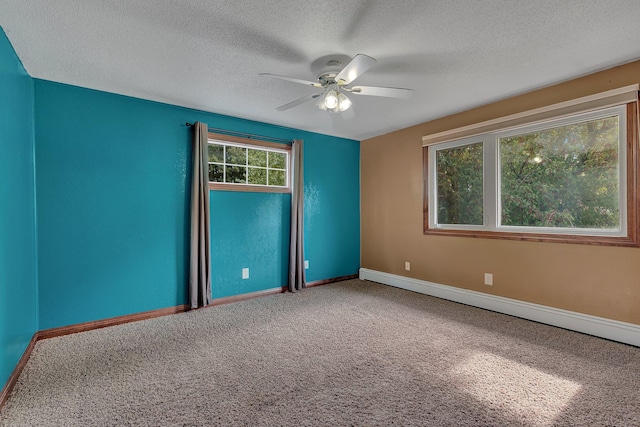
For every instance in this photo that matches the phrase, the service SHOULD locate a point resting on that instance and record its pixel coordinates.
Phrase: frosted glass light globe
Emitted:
(331, 100)
(344, 103)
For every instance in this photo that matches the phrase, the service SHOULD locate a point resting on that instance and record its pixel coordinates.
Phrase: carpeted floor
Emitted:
(348, 354)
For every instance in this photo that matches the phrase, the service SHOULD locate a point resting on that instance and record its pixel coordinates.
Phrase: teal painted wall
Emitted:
(18, 276)
(247, 232)
(112, 204)
(113, 178)
(332, 207)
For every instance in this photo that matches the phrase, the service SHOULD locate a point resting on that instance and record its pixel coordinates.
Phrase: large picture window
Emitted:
(248, 165)
(571, 179)
(569, 176)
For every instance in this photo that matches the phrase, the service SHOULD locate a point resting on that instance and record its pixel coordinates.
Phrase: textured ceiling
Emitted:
(207, 55)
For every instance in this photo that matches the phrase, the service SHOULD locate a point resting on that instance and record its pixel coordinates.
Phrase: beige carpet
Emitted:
(349, 354)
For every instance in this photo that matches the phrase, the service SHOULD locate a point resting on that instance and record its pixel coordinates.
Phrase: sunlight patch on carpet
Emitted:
(513, 387)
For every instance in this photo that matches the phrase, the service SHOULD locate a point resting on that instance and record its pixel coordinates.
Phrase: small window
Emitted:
(568, 180)
(248, 165)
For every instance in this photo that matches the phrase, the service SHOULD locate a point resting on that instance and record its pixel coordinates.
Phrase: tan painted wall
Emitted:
(596, 280)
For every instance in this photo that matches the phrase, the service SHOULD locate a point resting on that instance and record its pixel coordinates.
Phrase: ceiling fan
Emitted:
(335, 80)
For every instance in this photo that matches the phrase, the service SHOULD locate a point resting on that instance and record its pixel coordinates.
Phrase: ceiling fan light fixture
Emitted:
(334, 101)
(344, 103)
(331, 100)
(320, 104)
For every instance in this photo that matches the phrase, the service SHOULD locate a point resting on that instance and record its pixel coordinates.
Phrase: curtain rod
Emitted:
(245, 135)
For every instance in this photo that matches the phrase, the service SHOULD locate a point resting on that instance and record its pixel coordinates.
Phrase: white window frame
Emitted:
(259, 146)
(492, 171)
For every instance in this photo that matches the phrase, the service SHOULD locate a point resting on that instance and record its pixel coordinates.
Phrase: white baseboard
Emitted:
(627, 333)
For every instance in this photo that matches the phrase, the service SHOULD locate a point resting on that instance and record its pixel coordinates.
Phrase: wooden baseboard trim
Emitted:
(13, 378)
(103, 323)
(273, 291)
(247, 296)
(97, 324)
(327, 281)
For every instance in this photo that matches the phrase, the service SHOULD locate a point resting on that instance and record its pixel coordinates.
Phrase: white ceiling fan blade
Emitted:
(389, 92)
(358, 65)
(298, 102)
(292, 79)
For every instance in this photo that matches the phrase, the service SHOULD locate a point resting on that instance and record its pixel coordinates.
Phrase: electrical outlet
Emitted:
(245, 273)
(488, 279)
(306, 264)
(407, 265)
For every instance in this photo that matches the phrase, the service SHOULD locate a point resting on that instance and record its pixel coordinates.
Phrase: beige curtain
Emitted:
(297, 279)
(200, 258)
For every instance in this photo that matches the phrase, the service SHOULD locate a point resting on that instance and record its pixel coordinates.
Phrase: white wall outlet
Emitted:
(306, 264)
(488, 279)
(245, 273)
(407, 265)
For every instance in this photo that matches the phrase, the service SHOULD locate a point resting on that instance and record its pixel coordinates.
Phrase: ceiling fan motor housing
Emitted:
(328, 74)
